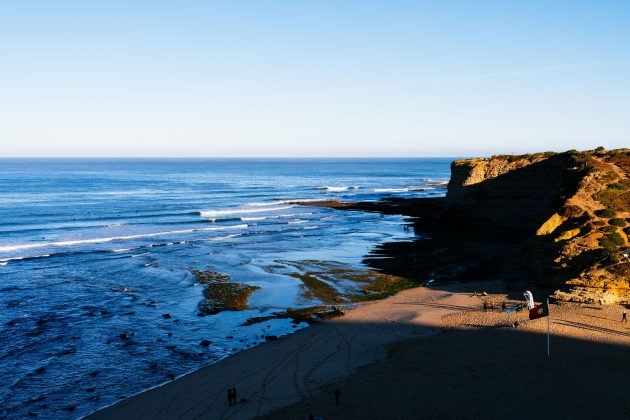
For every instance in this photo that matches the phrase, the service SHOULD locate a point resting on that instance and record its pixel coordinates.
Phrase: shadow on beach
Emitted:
(389, 361)
(489, 373)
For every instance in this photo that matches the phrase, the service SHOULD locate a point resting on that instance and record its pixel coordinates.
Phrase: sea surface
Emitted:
(95, 250)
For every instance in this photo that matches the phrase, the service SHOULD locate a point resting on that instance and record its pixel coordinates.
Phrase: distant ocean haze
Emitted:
(94, 250)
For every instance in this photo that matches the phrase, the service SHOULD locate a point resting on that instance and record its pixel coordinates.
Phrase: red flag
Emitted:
(539, 311)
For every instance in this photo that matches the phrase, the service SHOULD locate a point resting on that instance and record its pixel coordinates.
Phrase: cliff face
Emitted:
(510, 196)
(558, 220)
(570, 211)
(474, 171)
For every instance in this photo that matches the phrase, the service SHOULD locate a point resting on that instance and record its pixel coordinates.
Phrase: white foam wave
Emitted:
(337, 188)
(310, 227)
(217, 213)
(3, 263)
(266, 204)
(301, 201)
(222, 238)
(277, 216)
(7, 260)
(121, 250)
(140, 255)
(296, 221)
(10, 248)
(390, 190)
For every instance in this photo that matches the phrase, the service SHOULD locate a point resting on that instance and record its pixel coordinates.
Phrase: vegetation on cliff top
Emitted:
(598, 210)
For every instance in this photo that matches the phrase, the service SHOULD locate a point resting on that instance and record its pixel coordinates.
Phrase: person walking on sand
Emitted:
(624, 317)
(229, 396)
(337, 392)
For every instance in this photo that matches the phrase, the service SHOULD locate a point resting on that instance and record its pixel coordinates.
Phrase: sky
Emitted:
(312, 78)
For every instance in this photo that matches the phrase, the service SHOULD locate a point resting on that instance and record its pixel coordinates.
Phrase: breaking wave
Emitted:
(218, 213)
(9, 248)
(276, 216)
(337, 188)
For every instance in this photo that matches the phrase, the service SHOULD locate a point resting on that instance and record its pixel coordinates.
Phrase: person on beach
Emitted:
(229, 396)
(337, 392)
(624, 317)
(234, 395)
(485, 305)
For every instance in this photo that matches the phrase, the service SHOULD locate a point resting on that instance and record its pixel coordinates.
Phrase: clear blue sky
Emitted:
(312, 78)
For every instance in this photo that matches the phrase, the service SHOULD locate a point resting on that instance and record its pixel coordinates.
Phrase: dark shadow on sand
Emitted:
(491, 373)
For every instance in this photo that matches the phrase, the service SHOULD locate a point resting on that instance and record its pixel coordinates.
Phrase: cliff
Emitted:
(556, 221)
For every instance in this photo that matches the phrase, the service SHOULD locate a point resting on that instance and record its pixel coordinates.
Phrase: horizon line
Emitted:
(232, 157)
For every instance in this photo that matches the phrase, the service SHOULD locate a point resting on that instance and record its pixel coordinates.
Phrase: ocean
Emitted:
(95, 250)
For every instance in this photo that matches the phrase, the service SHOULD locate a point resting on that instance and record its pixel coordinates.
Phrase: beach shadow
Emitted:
(490, 373)
(584, 326)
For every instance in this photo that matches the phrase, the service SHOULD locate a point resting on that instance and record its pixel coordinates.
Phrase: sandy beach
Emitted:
(480, 366)
(424, 352)
(281, 372)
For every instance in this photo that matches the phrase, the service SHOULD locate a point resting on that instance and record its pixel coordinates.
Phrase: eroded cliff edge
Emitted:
(555, 221)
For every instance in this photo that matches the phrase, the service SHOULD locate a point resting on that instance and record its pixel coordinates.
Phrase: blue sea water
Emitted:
(92, 249)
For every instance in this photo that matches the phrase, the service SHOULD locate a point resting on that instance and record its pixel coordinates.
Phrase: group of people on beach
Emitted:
(231, 395)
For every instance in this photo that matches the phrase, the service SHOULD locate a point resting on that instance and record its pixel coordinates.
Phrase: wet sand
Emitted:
(424, 353)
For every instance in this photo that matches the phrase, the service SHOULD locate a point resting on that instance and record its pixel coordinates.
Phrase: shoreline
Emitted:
(387, 340)
(281, 372)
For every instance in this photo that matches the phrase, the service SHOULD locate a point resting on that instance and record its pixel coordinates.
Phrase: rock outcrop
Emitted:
(558, 221)
(221, 294)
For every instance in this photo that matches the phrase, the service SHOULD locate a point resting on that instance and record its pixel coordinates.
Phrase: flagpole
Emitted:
(548, 327)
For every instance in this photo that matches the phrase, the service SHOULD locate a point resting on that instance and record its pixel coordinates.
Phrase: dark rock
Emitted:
(205, 343)
(166, 316)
